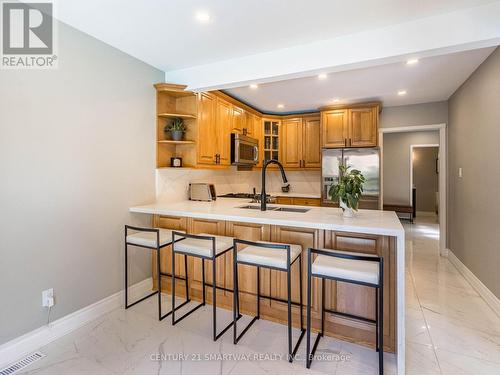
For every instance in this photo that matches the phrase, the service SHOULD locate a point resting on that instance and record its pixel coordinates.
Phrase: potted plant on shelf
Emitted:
(176, 128)
(348, 190)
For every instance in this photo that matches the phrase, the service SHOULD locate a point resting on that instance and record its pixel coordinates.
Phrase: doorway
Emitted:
(424, 181)
(442, 168)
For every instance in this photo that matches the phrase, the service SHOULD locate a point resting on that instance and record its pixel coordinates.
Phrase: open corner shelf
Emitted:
(171, 142)
(174, 115)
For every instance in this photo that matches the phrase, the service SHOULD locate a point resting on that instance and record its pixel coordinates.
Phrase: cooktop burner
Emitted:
(237, 195)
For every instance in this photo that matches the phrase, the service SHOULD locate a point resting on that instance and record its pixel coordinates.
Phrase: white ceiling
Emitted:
(166, 35)
(432, 79)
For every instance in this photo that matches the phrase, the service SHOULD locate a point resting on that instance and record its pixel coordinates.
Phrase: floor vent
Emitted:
(22, 363)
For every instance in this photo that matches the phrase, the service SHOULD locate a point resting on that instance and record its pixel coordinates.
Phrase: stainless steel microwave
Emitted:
(244, 150)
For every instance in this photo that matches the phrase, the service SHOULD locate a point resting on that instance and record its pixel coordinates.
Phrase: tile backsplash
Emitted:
(172, 184)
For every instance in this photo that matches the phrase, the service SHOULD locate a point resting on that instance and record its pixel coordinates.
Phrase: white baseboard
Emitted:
(31, 341)
(483, 291)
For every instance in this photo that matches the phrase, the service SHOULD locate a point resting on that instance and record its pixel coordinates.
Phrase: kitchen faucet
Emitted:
(263, 202)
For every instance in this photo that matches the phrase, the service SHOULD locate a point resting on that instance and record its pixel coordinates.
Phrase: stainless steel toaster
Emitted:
(202, 191)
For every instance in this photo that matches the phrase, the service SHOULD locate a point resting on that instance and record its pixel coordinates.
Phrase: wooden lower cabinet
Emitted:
(347, 298)
(299, 201)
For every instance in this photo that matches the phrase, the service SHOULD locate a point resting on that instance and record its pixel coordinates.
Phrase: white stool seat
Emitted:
(268, 257)
(204, 247)
(149, 238)
(349, 269)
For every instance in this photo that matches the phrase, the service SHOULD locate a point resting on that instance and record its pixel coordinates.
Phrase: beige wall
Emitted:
(76, 150)
(414, 115)
(396, 163)
(425, 177)
(474, 204)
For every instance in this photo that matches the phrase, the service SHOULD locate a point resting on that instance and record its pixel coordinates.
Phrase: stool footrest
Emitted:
(351, 316)
(140, 300)
(237, 338)
(176, 308)
(187, 313)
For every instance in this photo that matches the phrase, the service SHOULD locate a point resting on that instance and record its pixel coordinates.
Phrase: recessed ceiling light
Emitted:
(401, 92)
(322, 76)
(412, 62)
(254, 86)
(280, 106)
(202, 16)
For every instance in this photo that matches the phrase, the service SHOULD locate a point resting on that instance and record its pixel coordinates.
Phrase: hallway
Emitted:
(449, 327)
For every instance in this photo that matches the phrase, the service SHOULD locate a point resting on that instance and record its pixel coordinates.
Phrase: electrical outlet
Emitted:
(460, 173)
(48, 298)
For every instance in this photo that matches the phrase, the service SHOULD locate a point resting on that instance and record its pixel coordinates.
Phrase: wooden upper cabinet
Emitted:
(238, 120)
(300, 142)
(291, 145)
(356, 126)
(311, 148)
(249, 123)
(334, 128)
(363, 129)
(222, 132)
(258, 132)
(206, 129)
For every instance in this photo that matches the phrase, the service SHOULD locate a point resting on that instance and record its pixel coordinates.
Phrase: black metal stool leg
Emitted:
(203, 293)
(214, 298)
(381, 316)
(258, 292)
(308, 309)
(126, 270)
(289, 301)
(236, 309)
(376, 320)
(158, 272)
(300, 288)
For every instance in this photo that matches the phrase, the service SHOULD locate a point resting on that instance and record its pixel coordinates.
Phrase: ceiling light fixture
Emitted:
(401, 92)
(412, 62)
(322, 76)
(280, 106)
(203, 17)
(335, 100)
(253, 86)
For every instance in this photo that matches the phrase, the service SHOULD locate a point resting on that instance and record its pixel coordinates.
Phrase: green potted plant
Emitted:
(176, 128)
(348, 190)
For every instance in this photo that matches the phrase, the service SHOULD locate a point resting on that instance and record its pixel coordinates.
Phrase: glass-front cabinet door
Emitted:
(271, 139)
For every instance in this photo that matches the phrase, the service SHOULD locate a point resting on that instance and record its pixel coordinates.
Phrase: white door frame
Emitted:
(443, 172)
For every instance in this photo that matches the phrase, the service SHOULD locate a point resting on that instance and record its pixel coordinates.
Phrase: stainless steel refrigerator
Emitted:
(367, 160)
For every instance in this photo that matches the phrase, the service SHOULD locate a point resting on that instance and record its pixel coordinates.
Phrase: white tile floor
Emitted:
(450, 330)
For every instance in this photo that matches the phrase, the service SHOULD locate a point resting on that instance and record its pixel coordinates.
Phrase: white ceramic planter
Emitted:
(346, 211)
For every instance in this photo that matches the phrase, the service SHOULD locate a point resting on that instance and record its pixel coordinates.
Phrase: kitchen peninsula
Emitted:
(370, 231)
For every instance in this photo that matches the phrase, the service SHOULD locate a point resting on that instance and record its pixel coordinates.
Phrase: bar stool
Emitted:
(348, 267)
(274, 256)
(154, 239)
(205, 247)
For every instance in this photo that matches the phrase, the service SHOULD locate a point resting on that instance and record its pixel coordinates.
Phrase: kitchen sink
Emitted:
(276, 208)
(255, 207)
(291, 209)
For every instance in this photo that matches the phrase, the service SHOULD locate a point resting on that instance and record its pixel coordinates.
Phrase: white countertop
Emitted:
(328, 218)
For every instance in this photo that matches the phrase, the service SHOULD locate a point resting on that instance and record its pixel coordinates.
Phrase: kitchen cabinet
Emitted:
(334, 128)
(363, 130)
(300, 142)
(316, 202)
(271, 139)
(291, 145)
(214, 121)
(238, 120)
(207, 143)
(311, 149)
(356, 126)
(222, 131)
